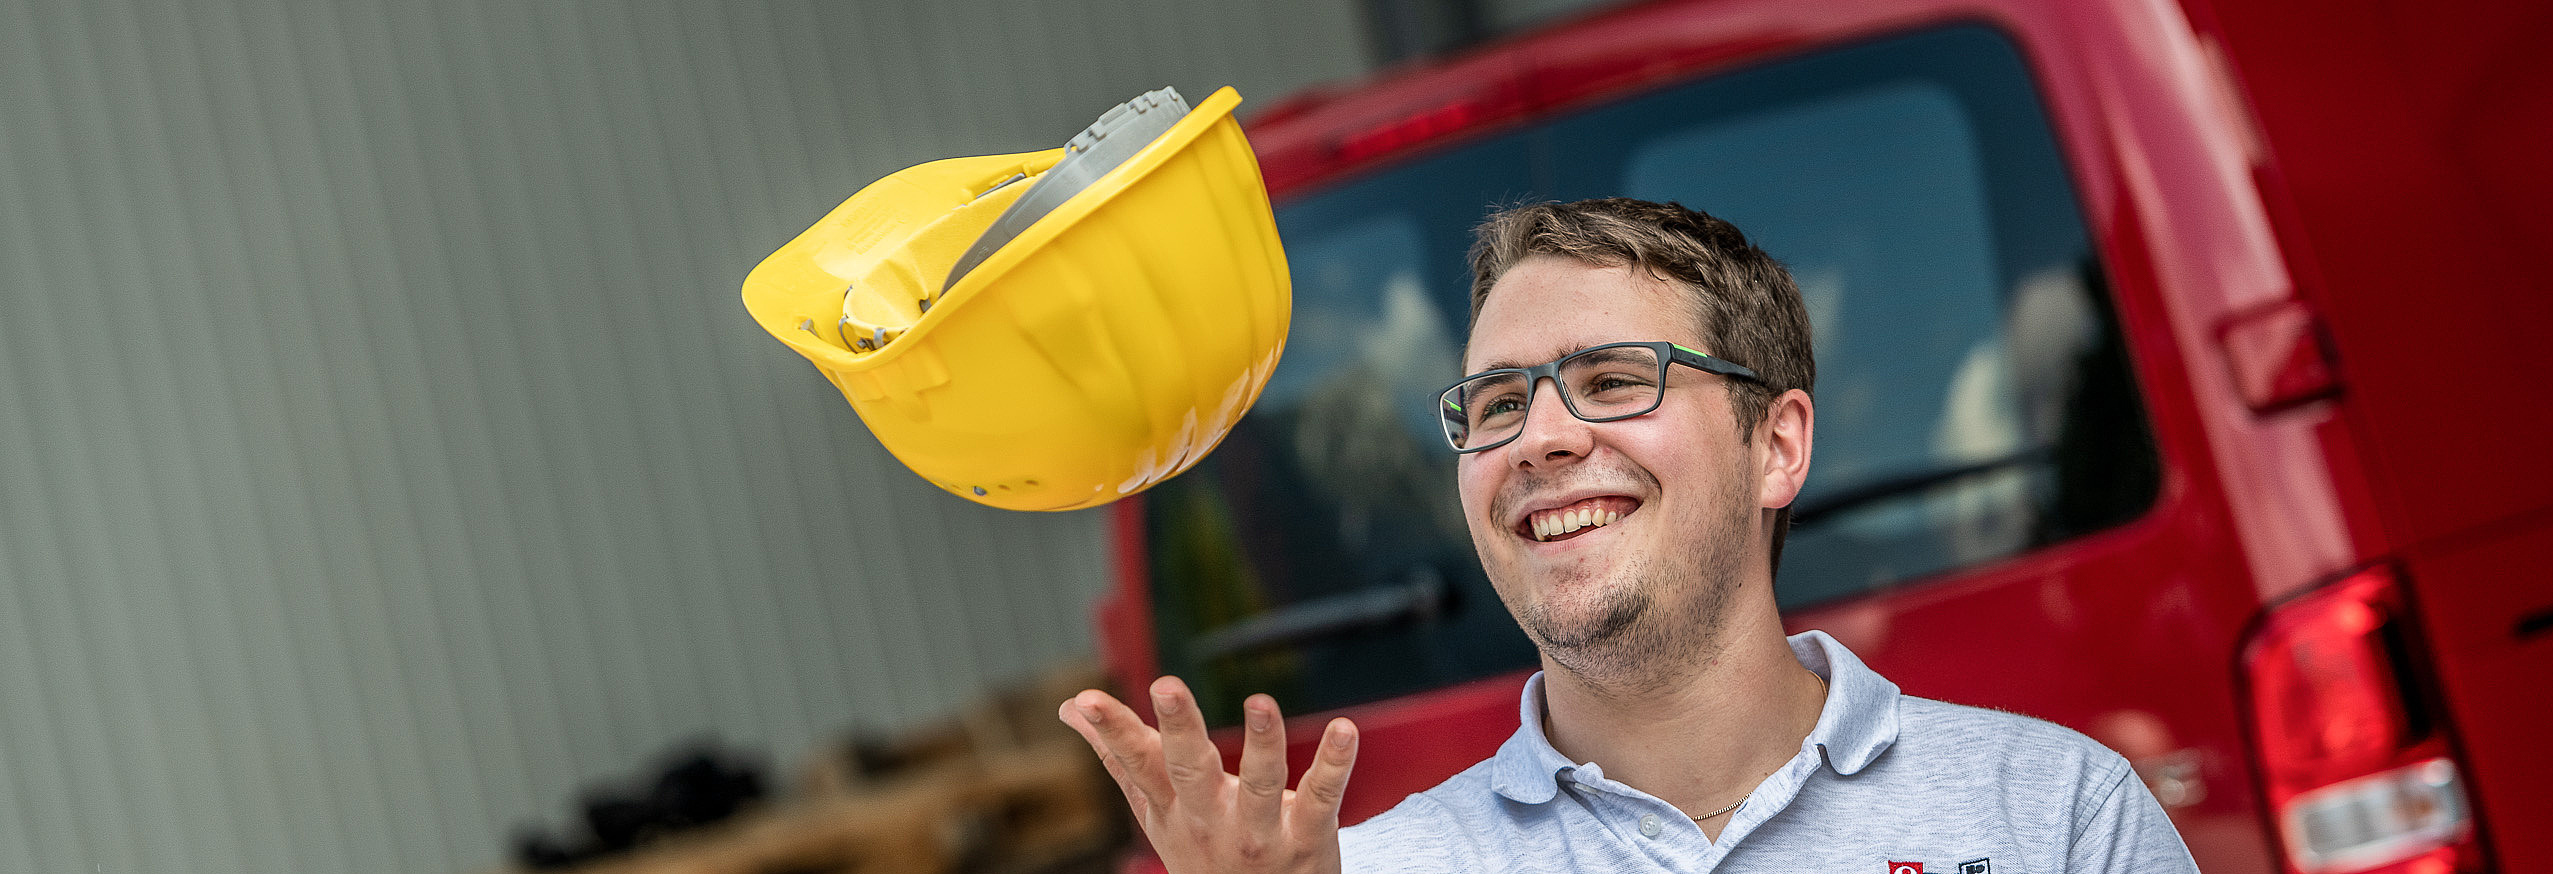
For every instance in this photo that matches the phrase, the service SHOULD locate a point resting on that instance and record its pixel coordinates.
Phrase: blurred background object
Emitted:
(383, 456)
(698, 786)
(1000, 786)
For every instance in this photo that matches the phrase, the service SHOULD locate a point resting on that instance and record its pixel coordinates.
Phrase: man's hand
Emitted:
(1202, 820)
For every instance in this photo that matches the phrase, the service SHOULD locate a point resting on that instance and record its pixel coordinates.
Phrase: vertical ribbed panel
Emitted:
(384, 452)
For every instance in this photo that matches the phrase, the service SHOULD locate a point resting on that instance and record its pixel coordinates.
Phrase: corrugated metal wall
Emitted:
(384, 452)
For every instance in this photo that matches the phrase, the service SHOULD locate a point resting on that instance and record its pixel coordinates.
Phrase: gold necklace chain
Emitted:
(1741, 802)
(1698, 817)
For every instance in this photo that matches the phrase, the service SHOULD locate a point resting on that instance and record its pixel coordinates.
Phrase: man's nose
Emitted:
(1550, 433)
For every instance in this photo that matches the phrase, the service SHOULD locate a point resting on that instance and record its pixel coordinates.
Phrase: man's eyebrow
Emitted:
(1623, 353)
(1513, 364)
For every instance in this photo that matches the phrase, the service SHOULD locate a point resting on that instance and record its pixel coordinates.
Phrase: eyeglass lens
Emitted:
(1607, 382)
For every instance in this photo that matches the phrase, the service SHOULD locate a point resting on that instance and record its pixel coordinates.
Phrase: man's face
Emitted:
(1663, 572)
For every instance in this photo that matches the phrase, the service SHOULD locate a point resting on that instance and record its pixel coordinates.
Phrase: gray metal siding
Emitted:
(384, 452)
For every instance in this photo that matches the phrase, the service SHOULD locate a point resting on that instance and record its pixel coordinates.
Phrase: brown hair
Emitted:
(1745, 304)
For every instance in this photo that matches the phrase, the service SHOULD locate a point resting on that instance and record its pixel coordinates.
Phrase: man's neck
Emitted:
(1702, 743)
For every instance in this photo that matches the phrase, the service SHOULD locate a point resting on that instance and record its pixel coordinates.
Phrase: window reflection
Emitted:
(1973, 399)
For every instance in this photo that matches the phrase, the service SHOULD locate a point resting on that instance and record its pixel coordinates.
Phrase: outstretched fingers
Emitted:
(1201, 818)
(1315, 814)
(1261, 804)
(1130, 750)
(1193, 765)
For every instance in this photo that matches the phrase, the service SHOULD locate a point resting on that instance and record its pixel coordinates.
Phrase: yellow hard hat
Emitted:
(1050, 330)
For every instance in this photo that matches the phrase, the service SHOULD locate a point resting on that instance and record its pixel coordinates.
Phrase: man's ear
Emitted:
(1782, 448)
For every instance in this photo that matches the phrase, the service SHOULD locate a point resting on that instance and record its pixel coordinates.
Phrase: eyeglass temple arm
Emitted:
(1699, 361)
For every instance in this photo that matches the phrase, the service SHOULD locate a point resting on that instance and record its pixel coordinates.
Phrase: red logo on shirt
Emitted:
(1905, 868)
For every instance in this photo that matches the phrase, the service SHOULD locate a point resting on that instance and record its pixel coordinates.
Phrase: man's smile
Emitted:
(1562, 521)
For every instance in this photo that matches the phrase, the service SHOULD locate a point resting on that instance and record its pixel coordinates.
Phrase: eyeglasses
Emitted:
(1598, 384)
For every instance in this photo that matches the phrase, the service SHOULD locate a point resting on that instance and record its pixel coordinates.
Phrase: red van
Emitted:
(2183, 379)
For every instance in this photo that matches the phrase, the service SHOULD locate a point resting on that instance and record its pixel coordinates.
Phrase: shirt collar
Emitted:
(1860, 719)
(1526, 768)
(1857, 724)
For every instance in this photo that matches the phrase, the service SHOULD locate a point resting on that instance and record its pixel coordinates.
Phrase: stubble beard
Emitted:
(1629, 641)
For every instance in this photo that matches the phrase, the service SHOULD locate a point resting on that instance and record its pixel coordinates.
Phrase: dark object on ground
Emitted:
(697, 785)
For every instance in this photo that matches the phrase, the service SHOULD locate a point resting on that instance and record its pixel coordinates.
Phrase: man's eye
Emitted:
(1615, 383)
(1502, 406)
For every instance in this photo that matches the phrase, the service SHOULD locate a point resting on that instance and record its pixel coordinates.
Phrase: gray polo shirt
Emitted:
(1885, 784)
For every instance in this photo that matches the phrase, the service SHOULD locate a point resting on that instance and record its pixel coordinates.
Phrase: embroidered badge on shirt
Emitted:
(1980, 866)
(1905, 868)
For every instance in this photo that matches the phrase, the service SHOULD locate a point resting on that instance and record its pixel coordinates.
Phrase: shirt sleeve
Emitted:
(2120, 828)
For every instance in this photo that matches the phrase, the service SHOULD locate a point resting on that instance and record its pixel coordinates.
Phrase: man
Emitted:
(1637, 422)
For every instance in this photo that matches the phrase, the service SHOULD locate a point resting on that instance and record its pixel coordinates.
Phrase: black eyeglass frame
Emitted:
(1667, 352)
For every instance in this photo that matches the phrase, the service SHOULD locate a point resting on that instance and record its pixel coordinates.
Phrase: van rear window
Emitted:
(1974, 401)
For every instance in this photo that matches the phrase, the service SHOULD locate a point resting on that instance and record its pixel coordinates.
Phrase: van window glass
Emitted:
(1973, 401)
(1319, 553)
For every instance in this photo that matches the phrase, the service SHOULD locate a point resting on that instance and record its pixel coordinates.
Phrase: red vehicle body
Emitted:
(2320, 226)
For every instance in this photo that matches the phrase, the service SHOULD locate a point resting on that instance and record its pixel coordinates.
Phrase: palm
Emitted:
(1201, 818)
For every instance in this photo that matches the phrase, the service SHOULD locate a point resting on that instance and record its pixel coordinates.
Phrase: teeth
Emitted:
(1553, 524)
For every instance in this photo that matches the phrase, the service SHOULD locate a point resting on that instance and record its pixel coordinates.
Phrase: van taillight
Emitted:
(2358, 772)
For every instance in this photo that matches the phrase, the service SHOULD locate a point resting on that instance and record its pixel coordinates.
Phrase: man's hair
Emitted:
(1747, 308)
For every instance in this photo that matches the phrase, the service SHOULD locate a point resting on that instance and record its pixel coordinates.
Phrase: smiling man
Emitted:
(1636, 423)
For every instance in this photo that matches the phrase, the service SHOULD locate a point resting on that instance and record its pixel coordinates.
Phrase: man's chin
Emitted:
(1568, 627)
